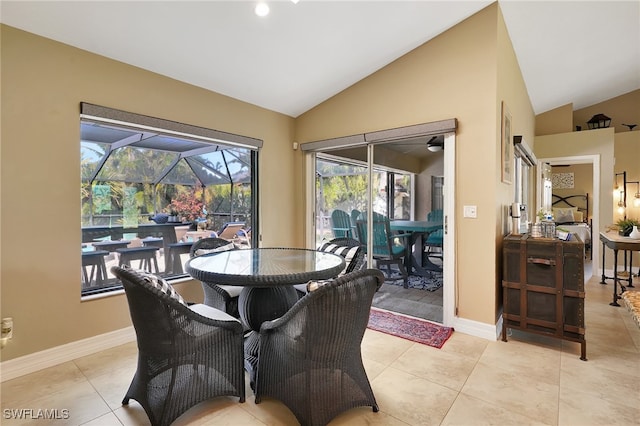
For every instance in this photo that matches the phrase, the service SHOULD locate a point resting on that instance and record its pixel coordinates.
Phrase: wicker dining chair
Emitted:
(349, 248)
(186, 354)
(310, 358)
(223, 297)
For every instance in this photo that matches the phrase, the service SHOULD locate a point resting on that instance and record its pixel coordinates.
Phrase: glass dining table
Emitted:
(267, 276)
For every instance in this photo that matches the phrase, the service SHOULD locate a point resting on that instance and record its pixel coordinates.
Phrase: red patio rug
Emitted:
(410, 328)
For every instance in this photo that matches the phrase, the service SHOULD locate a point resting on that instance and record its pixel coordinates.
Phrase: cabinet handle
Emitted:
(548, 262)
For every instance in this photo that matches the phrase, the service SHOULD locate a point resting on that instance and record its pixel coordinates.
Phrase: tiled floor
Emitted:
(410, 301)
(529, 380)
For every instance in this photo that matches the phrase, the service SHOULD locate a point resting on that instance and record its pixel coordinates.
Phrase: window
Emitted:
(524, 159)
(151, 187)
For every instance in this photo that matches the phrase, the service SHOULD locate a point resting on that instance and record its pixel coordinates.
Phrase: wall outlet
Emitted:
(470, 211)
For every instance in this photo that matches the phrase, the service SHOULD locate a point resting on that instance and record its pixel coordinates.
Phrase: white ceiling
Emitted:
(580, 52)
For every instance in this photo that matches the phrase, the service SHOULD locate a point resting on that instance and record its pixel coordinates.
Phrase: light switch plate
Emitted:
(471, 211)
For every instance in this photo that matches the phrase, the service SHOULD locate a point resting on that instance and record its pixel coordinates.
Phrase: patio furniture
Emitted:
(387, 248)
(98, 271)
(146, 256)
(268, 275)
(229, 230)
(341, 224)
(175, 250)
(355, 215)
(418, 232)
(110, 245)
(243, 238)
(167, 231)
(153, 242)
(310, 358)
(198, 235)
(433, 245)
(186, 354)
(349, 249)
(435, 215)
(223, 297)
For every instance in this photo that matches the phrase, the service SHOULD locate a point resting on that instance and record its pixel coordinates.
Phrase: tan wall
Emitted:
(43, 83)
(558, 120)
(621, 109)
(453, 76)
(512, 90)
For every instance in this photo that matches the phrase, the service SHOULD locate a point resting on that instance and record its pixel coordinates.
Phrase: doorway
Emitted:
(401, 160)
(594, 208)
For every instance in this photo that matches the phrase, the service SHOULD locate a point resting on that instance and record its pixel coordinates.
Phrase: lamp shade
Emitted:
(599, 121)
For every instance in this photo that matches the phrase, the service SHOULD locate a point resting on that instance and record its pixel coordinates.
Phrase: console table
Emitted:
(543, 287)
(617, 242)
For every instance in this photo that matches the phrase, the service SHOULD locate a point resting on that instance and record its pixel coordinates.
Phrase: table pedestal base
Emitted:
(257, 305)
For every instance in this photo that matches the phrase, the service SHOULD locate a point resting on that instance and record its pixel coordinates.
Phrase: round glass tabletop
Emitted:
(265, 266)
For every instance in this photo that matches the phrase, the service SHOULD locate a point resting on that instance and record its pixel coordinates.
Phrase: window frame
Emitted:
(205, 139)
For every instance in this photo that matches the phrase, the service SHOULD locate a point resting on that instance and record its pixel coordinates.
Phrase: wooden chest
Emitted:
(543, 287)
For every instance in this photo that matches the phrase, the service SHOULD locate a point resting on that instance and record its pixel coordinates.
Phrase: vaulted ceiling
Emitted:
(580, 52)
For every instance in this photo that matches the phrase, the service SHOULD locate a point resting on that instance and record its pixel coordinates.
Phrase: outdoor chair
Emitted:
(243, 238)
(433, 244)
(223, 297)
(388, 248)
(435, 216)
(355, 215)
(98, 269)
(146, 255)
(310, 358)
(175, 250)
(229, 230)
(349, 248)
(186, 354)
(341, 224)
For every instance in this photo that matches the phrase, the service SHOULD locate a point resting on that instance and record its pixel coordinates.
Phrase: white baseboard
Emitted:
(48, 358)
(478, 329)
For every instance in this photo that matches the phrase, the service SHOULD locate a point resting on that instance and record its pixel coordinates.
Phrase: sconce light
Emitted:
(622, 203)
(636, 197)
(436, 144)
(599, 121)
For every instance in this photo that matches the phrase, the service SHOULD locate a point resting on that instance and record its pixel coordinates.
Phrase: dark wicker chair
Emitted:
(310, 357)
(223, 297)
(186, 354)
(349, 248)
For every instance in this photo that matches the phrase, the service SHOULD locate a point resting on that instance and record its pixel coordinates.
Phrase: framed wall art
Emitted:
(506, 146)
(562, 180)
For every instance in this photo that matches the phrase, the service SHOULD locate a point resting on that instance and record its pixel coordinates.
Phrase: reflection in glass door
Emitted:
(341, 194)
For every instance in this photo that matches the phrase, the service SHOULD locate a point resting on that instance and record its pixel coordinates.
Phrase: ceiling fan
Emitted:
(436, 143)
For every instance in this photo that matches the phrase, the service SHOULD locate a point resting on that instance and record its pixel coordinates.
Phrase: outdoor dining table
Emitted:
(419, 230)
(267, 276)
(166, 231)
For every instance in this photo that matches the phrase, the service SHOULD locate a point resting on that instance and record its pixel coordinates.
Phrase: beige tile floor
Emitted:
(530, 380)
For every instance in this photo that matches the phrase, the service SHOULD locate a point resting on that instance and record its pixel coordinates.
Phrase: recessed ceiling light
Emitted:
(295, 1)
(262, 9)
